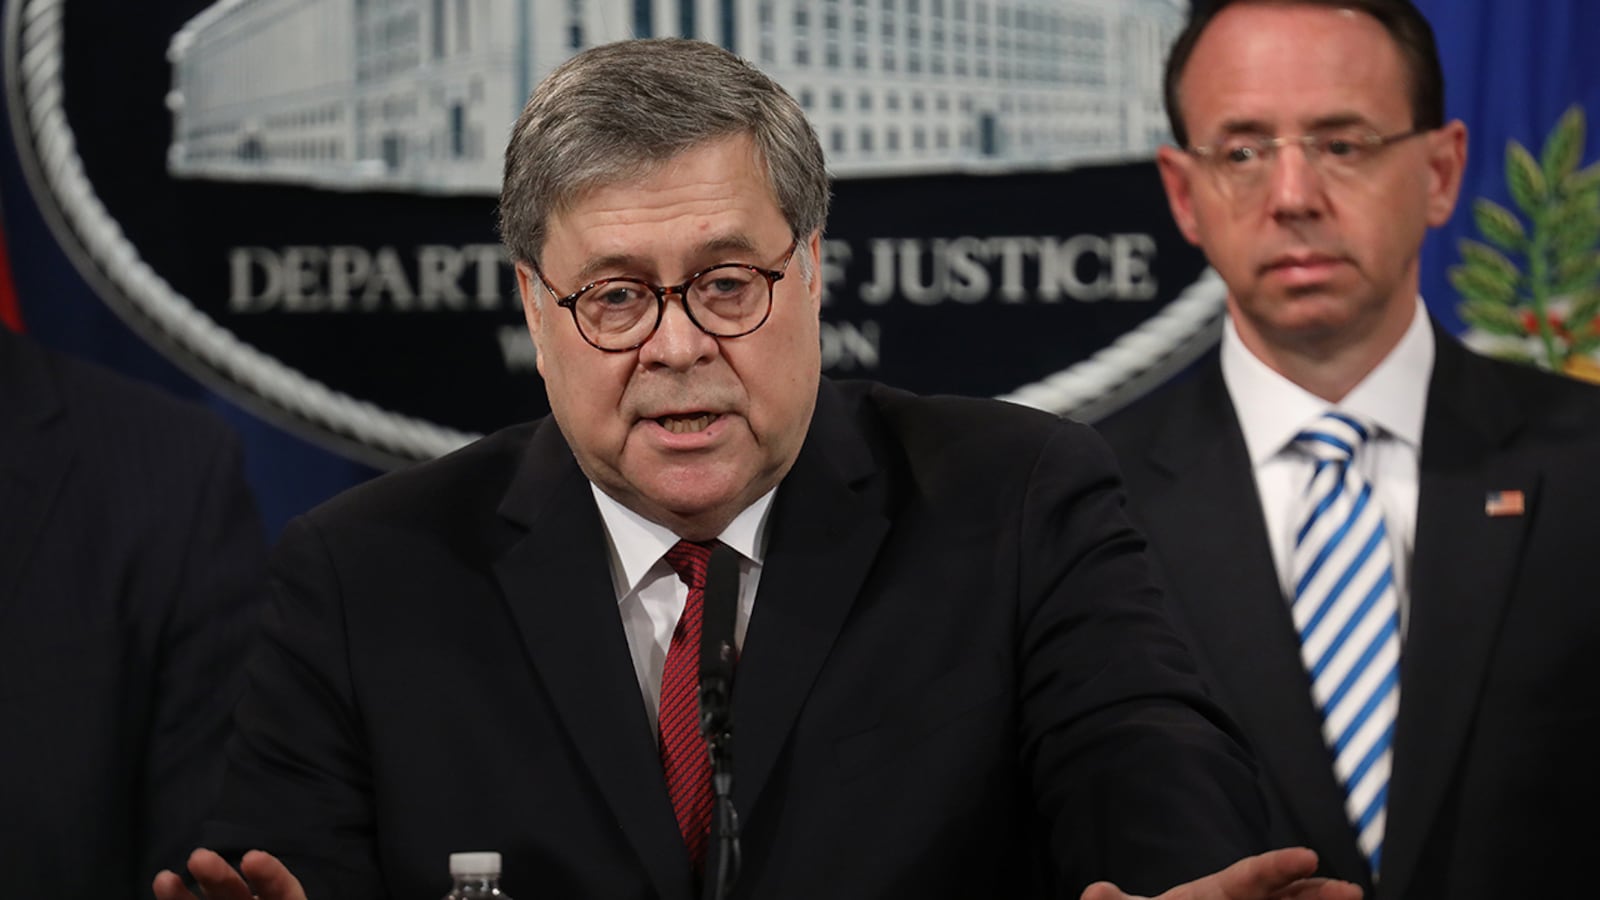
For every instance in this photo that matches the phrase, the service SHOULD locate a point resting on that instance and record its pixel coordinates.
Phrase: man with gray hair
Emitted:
(952, 677)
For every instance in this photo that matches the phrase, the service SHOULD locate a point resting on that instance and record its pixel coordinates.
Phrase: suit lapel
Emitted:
(1225, 585)
(1462, 570)
(825, 531)
(557, 581)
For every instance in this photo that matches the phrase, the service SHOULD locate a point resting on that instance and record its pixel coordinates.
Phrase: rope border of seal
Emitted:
(146, 301)
(1088, 389)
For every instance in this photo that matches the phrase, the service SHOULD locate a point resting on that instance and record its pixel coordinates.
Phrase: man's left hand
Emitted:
(1279, 875)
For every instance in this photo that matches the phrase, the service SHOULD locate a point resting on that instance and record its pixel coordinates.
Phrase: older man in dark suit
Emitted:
(131, 566)
(1373, 538)
(953, 678)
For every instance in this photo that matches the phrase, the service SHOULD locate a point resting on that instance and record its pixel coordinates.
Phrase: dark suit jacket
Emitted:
(131, 560)
(956, 682)
(1496, 781)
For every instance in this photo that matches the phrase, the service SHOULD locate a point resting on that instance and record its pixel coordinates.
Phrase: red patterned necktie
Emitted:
(683, 750)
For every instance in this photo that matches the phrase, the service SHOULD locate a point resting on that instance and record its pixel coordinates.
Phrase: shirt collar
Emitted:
(637, 543)
(1272, 409)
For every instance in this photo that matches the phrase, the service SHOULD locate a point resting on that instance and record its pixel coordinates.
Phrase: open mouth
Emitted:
(687, 424)
(1308, 261)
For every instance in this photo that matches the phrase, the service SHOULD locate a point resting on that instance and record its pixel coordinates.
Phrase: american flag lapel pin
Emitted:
(1504, 503)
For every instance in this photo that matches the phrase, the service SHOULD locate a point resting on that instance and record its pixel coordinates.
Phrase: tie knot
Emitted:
(1334, 437)
(690, 560)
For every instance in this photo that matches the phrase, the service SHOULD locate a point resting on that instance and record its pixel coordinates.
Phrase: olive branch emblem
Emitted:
(1545, 311)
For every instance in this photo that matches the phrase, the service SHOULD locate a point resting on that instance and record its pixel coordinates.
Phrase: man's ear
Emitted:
(1177, 176)
(1447, 162)
(528, 287)
(812, 247)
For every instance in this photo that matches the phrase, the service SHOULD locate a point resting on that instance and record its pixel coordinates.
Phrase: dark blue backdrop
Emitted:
(1511, 67)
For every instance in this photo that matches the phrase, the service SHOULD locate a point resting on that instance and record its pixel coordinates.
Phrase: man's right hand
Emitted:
(260, 875)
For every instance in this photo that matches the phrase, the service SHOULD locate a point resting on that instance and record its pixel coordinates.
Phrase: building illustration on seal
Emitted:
(419, 95)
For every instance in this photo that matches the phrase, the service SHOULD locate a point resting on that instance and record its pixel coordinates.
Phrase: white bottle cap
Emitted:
(479, 863)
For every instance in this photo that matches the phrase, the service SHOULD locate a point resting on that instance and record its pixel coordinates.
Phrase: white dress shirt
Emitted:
(1272, 410)
(651, 596)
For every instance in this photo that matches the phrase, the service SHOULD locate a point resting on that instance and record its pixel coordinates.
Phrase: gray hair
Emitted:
(617, 111)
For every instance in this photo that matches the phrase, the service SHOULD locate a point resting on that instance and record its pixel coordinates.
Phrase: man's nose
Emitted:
(678, 343)
(1294, 182)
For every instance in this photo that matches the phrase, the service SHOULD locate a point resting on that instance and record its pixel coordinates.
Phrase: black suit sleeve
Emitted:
(215, 581)
(298, 781)
(1137, 775)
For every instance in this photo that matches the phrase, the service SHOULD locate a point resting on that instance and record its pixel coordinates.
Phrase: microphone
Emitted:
(717, 652)
(717, 655)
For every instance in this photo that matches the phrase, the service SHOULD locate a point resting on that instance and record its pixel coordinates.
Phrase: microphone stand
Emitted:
(717, 656)
(724, 818)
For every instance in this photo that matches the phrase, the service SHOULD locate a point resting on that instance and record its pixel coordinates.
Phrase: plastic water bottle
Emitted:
(476, 877)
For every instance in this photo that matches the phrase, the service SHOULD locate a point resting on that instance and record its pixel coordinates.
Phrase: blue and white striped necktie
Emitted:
(1347, 612)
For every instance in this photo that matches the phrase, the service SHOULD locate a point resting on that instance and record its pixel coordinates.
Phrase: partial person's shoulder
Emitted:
(471, 481)
(954, 441)
(103, 412)
(958, 423)
(1134, 428)
(1552, 403)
